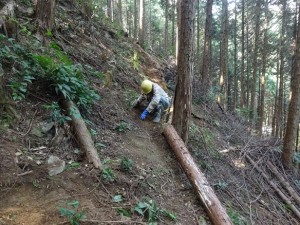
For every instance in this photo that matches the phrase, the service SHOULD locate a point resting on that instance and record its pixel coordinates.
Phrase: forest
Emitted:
(74, 149)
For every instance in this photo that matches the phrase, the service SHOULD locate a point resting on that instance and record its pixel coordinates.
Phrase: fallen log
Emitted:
(213, 206)
(82, 134)
(286, 199)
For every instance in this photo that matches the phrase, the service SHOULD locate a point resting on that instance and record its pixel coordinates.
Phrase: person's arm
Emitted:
(155, 99)
(138, 100)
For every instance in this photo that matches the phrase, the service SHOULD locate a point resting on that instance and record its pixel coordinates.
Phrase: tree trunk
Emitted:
(141, 23)
(235, 75)
(289, 142)
(281, 72)
(207, 48)
(242, 79)
(110, 14)
(135, 26)
(45, 14)
(222, 99)
(255, 64)
(166, 26)
(183, 91)
(173, 26)
(82, 134)
(213, 206)
(261, 111)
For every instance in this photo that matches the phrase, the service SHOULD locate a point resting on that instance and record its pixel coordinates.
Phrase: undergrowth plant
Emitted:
(67, 78)
(56, 115)
(50, 64)
(235, 217)
(149, 209)
(126, 164)
(71, 213)
(23, 66)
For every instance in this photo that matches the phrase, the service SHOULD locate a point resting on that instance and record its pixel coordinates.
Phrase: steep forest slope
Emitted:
(141, 182)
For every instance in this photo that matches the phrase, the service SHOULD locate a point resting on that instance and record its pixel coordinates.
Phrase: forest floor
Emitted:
(219, 142)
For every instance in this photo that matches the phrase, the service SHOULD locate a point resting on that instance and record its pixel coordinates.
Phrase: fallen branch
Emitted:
(25, 173)
(213, 206)
(285, 184)
(286, 200)
(82, 134)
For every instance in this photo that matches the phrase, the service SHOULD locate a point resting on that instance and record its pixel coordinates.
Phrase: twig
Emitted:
(25, 173)
(286, 184)
(30, 125)
(274, 186)
(104, 187)
(43, 100)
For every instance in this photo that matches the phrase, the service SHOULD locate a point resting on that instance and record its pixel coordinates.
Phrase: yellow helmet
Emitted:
(146, 86)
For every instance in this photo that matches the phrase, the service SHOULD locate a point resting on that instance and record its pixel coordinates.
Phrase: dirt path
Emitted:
(156, 175)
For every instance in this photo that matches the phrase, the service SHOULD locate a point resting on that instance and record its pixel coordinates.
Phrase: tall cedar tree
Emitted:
(289, 142)
(207, 48)
(183, 92)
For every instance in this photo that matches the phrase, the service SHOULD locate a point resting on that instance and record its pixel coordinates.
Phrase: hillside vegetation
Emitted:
(96, 65)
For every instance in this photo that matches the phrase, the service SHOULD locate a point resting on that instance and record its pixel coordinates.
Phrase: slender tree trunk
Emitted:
(173, 26)
(281, 72)
(207, 49)
(242, 79)
(255, 64)
(235, 75)
(110, 14)
(135, 19)
(222, 99)
(166, 26)
(141, 23)
(183, 91)
(263, 75)
(248, 60)
(275, 126)
(289, 142)
(197, 58)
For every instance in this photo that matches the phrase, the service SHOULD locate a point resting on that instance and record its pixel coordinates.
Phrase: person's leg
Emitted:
(163, 105)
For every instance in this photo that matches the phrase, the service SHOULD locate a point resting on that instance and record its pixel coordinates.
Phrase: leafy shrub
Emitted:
(52, 65)
(108, 175)
(126, 164)
(150, 210)
(72, 214)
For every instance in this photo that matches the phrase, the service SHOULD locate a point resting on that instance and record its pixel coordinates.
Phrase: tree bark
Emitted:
(166, 26)
(141, 23)
(242, 79)
(222, 98)
(207, 48)
(255, 64)
(183, 92)
(281, 72)
(289, 142)
(82, 134)
(261, 108)
(213, 206)
(45, 14)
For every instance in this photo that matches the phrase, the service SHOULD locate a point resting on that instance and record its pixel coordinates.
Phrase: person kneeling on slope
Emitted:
(157, 98)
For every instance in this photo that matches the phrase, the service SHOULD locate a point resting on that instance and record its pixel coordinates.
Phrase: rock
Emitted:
(55, 165)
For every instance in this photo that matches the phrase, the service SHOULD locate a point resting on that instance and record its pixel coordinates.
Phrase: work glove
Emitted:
(144, 115)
